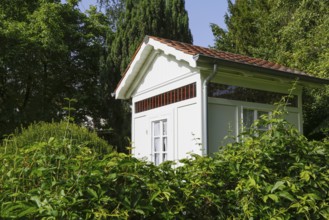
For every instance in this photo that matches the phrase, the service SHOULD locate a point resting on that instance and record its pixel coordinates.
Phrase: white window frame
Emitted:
(161, 154)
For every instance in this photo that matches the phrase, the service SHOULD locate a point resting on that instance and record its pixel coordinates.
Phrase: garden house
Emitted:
(187, 98)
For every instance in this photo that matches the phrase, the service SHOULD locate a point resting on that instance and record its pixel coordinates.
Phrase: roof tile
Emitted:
(197, 50)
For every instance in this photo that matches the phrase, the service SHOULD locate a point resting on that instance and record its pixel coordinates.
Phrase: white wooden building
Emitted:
(187, 98)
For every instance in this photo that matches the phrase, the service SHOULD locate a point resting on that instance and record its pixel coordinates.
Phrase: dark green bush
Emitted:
(43, 131)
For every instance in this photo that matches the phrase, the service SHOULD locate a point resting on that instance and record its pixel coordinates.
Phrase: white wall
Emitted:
(188, 130)
(163, 70)
(184, 129)
(294, 118)
(161, 75)
(222, 122)
(225, 119)
(140, 134)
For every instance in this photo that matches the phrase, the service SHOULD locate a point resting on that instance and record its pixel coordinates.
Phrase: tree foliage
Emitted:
(48, 51)
(292, 33)
(167, 19)
(51, 50)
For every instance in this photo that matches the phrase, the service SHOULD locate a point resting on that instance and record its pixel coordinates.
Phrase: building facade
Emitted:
(190, 99)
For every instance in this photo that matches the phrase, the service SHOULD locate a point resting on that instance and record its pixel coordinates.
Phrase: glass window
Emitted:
(216, 90)
(159, 141)
(249, 116)
(164, 130)
(156, 127)
(156, 144)
(164, 144)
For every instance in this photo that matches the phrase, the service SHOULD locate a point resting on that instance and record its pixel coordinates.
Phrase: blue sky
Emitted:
(201, 14)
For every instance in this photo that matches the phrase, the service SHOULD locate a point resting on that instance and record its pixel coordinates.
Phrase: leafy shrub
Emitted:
(69, 178)
(43, 131)
(277, 174)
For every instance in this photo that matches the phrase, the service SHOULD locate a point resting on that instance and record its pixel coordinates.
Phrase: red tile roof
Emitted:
(231, 57)
(197, 50)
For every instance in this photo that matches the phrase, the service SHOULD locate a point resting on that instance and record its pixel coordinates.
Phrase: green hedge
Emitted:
(43, 131)
(277, 174)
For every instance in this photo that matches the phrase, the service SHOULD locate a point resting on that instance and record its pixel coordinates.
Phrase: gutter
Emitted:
(205, 110)
(314, 81)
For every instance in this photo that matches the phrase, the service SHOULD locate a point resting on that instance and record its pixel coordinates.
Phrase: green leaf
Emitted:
(274, 197)
(277, 185)
(287, 195)
(18, 209)
(112, 176)
(92, 192)
(36, 199)
(139, 211)
(265, 198)
(252, 182)
(325, 213)
(27, 212)
(313, 196)
(295, 205)
(154, 195)
(305, 175)
(167, 195)
(51, 140)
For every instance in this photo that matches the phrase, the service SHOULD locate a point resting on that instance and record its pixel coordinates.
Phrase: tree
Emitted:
(49, 51)
(241, 38)
(167, 19)
(292, 33)
(163, 18)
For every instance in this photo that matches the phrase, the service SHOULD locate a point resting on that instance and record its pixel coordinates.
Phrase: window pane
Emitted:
(248, 117)
(157, 159)
(157, 146)
(164, 147)
(164, 127)
(164, 157)
(156, 128)
(259, 115)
